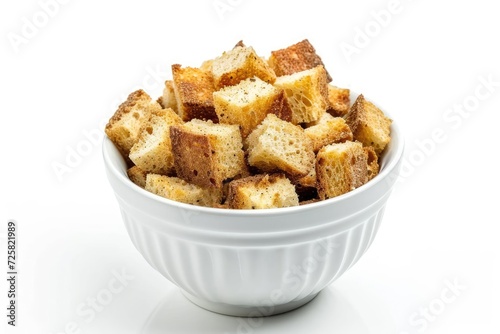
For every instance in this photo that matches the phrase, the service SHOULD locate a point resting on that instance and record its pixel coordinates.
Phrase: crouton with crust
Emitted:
(373, 166)
(340, 168)
(248, 103)
(153, 150)
(137, 175)
(306, 92)
(328, 130)
(193, 89)
(296, 58)
(179, 190)
(124, 127)
(206, 153)
(369, 125)
(339, 101)
(280, 146)
(262, 192)
(167, 100)
(239, 64)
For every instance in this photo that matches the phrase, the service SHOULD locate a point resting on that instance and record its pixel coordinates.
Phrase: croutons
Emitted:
(179, 190)
(262, 192)
(243, 132)
(306, 92)
(247, 104)
(372, 161)
(193, 89)
(125, 125)
(328, 130)
(339, 101)
(153, 150)
(137, 175)
(239, 64)
(369, 125)
(206, 153)
(167, 100)
(340, 168)
(295, 58)
(277, 145)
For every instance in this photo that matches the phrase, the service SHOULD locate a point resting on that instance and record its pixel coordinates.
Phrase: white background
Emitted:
(60, 83)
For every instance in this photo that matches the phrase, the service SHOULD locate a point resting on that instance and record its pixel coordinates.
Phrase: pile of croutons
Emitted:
(245, 132)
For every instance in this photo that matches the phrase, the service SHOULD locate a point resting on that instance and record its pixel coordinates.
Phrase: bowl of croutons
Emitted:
(252, 183)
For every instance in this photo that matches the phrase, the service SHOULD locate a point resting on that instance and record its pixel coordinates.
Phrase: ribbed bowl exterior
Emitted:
(223, 259)
(251, 275)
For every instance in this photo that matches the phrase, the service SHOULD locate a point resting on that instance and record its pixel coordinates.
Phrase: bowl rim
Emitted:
(387, 167)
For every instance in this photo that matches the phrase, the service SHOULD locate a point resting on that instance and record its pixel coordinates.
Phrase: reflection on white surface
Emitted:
(329, 310)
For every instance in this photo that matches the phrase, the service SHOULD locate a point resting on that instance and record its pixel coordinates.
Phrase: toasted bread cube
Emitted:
(125, 125)
(179, 190)
(307, 94)
(262, 192)
(206, 154)
(193, 89)
(340, 168)
(369, 125)
(225, 185)
(239, 64)
(167, 100)
(207, 64)
(328, 130)
(137, 175)
(339, 101)
(248, 103)
(153, 150)
(372, 161)
(277, 145)
(295, 58)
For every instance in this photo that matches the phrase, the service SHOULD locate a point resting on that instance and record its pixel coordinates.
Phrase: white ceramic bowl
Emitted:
(253, 263)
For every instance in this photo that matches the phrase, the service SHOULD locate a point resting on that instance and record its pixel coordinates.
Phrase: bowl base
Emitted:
(247, 311)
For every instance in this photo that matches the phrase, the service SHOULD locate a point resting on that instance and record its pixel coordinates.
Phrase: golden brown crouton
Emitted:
(262, 192)
(167, 100)
(179, 190)
(339, 101)
(306, 92)
(295, 58)
(193, 91)
(369, 125)
(153, 150)
(137, 175)
(277, 145)
(125, 125)
(328, 130)
(247, 104)
(239, 64)
(373, 166)
(340, 168)
(206, 154)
